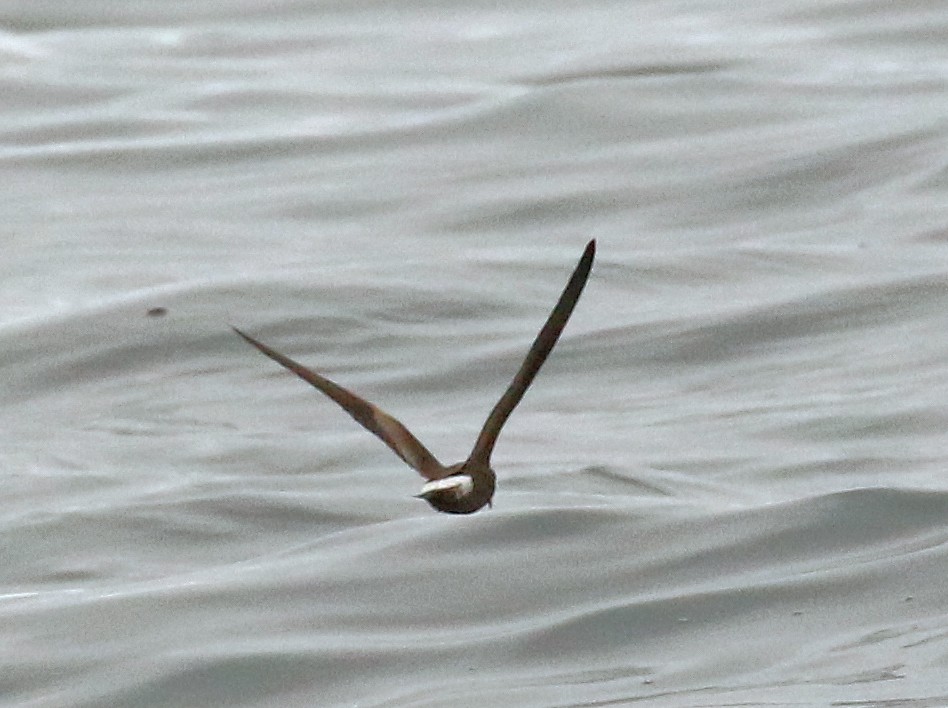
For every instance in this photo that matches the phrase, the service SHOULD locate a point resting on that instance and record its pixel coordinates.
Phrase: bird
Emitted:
(468, 486)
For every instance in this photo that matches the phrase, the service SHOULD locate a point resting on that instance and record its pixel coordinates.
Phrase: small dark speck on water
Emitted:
(157, 312)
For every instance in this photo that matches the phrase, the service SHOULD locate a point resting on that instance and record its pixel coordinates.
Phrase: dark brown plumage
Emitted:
(467, 486)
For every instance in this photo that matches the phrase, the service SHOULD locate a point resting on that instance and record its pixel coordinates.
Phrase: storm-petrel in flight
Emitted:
(467, 486)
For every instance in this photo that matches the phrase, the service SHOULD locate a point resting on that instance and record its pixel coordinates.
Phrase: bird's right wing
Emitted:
(369, 416)
(538, 353)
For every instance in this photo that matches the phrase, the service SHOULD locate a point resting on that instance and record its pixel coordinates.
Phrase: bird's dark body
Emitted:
(481, 494)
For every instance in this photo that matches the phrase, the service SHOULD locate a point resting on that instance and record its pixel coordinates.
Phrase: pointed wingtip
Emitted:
(245, 337)
(585, 264)
(260, 346)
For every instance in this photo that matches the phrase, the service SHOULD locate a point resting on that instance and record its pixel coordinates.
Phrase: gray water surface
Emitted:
(729, 484)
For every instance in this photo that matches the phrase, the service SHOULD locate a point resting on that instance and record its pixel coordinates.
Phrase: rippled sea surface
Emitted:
(729, 484)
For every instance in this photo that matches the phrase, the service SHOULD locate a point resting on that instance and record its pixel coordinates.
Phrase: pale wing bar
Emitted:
(540, 349)
(369, 416)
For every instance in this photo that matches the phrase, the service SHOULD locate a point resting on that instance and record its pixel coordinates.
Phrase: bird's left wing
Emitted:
(369, 416)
